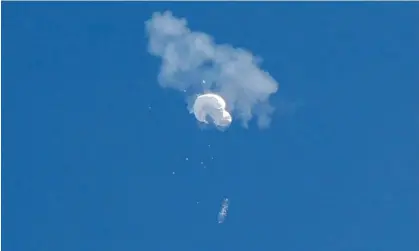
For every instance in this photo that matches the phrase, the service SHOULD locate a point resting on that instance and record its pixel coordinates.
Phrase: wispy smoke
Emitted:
(188, 57)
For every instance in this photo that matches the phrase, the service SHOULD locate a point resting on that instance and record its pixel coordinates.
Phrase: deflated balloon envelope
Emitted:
(213, 106)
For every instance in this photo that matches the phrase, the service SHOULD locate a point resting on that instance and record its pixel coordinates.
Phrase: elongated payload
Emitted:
(223, 211)
(211, 107)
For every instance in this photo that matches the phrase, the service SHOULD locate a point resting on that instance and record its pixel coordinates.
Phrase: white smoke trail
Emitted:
(189, 57)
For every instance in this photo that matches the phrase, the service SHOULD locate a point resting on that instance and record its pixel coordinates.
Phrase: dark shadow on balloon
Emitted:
(210, 125)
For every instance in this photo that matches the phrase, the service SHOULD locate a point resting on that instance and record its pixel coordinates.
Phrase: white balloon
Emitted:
(213, 106)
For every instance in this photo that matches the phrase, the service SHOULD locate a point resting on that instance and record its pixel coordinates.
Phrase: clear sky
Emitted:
(88, 166)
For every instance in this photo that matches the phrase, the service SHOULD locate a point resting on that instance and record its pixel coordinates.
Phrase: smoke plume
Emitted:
(189, 57)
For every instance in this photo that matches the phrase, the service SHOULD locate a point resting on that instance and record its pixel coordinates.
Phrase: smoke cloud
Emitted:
(189, 57)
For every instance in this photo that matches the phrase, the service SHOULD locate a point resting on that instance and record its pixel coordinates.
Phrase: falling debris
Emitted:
(173, 173)
(202, 164)
(186, 158)
(224, 210)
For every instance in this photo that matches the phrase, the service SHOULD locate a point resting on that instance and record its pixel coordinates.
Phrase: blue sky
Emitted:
(87, 166)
